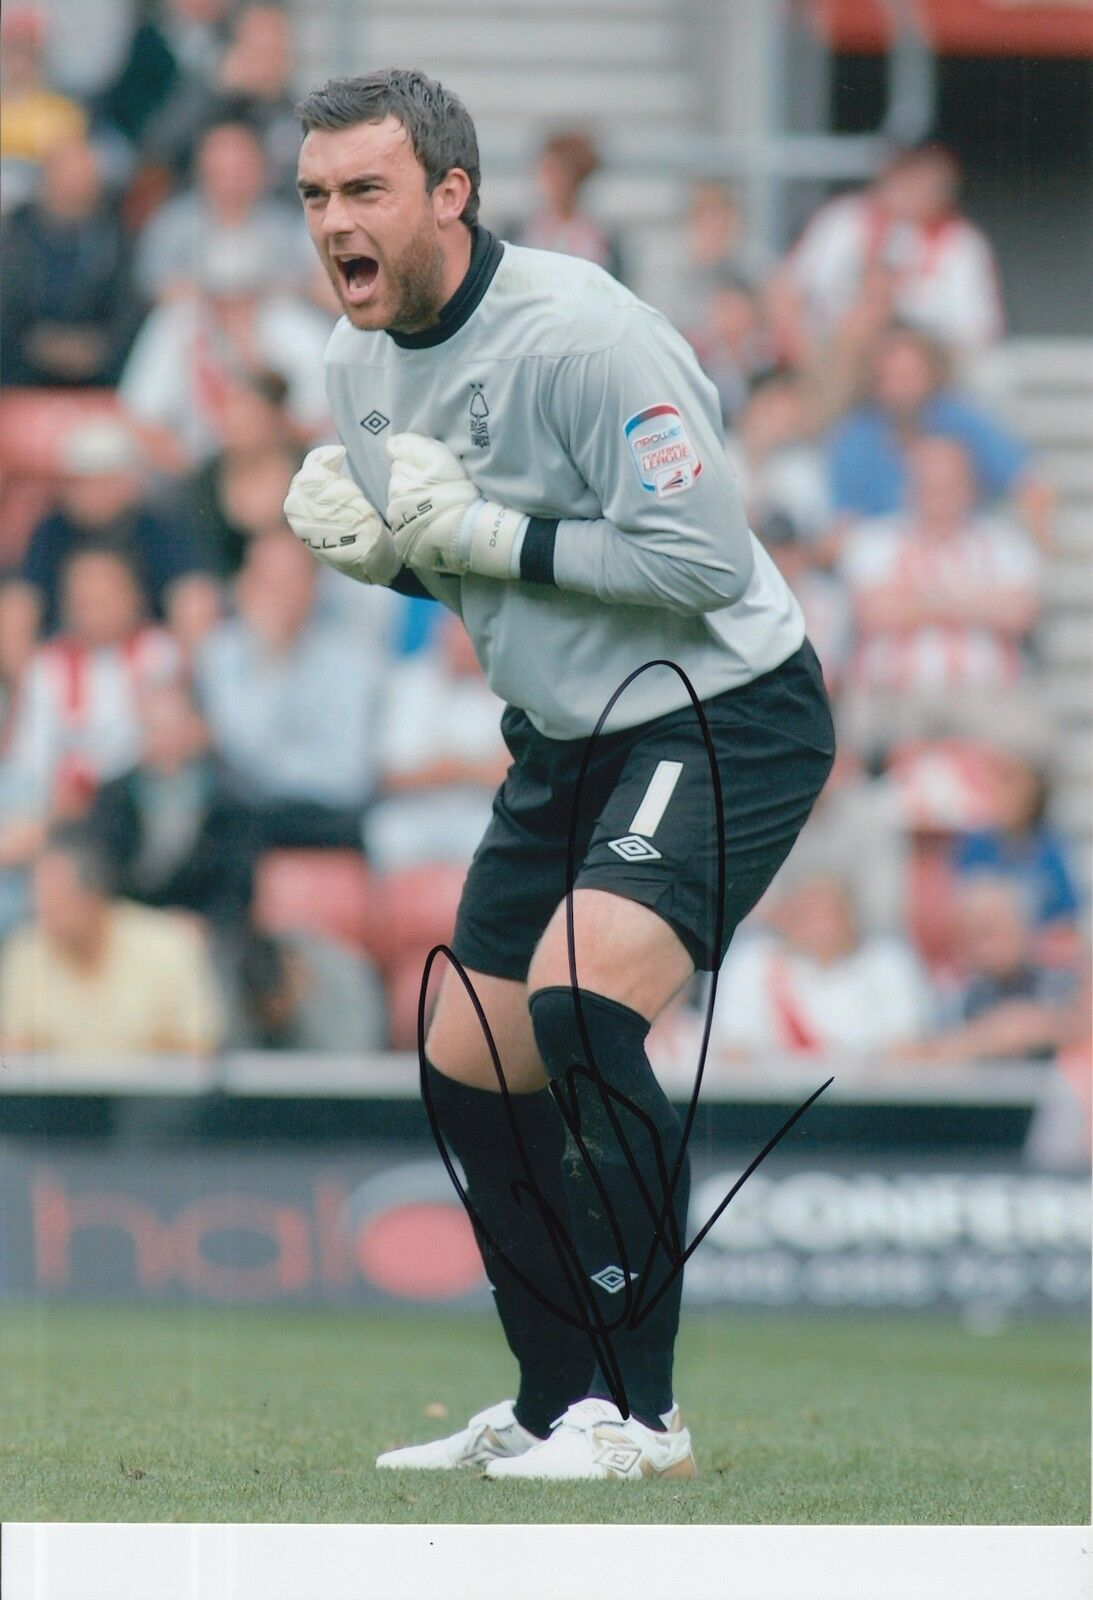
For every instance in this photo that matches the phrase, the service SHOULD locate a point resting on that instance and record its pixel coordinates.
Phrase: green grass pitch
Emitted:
(276, 1416)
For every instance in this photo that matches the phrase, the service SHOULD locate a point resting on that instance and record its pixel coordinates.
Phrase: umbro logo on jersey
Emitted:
(375, 422)
(632, 847)
(611, 1278)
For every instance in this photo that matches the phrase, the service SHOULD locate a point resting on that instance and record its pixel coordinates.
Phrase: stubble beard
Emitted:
(418, 277)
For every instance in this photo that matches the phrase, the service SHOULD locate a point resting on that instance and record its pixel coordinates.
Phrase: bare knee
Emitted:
(622, 950)
(458, 1042)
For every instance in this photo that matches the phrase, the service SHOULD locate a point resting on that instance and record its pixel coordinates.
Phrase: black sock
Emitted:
(640, 1356)
(555, 1360)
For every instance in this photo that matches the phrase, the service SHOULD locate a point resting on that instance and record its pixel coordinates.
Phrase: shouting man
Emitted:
(529, 444)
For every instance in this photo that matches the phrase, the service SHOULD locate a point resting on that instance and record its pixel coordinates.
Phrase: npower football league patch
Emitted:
(666, 460)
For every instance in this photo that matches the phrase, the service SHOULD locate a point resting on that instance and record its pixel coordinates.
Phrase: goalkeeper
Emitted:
(530, 445)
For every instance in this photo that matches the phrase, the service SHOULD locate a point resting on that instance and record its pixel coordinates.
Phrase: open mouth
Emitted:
(358, 275)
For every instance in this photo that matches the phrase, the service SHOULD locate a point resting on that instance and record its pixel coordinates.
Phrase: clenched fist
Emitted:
(329, 514)
(439, 520)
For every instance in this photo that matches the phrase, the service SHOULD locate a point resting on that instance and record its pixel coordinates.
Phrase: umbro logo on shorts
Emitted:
(632, 847)
(635, 846)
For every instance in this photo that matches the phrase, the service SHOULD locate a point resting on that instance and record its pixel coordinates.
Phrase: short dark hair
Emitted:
(437, 122)
(927, 152)
(577, 150)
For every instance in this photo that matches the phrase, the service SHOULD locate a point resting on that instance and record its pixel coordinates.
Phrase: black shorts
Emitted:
(646, 827)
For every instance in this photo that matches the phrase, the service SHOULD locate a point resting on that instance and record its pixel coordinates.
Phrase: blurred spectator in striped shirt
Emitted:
(821, 596)
(896, 249)
(812, 982)
(191, 350)
(943, 599)
(76, 721)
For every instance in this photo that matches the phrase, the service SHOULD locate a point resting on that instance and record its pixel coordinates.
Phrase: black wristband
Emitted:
(537, 550)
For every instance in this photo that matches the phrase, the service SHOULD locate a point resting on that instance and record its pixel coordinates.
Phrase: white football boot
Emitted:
(592, 1441)
(490, 1435)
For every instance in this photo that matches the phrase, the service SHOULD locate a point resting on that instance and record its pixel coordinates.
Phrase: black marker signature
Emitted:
(636, 1305)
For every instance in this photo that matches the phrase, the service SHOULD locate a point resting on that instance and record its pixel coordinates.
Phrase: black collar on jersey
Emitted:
(486, 253)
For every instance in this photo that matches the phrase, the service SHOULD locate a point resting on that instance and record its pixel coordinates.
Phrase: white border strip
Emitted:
(654, 802)
(775, 1080)
(118, 1561)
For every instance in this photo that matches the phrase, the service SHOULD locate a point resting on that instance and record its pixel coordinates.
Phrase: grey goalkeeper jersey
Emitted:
(569, 399)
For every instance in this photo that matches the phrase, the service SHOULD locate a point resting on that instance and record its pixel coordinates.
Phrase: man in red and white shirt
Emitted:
(942, 598)
(899, 247)
(77, 721)
(811, 983)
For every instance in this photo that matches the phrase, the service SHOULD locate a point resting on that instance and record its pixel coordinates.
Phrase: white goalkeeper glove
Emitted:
(440, 521)
(329, 514)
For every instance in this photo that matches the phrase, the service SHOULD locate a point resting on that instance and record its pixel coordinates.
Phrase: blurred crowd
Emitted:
(238, 794)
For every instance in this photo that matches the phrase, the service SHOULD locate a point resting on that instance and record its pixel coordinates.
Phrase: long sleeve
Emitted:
(642, 423)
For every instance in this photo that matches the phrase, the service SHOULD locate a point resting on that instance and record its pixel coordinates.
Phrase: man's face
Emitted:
(66, 911)
(70, 186)
(919, 191)
(173, 731)
(100, 602)
(942, 485)
(95, 500)
(818, 919)
(263, 49)
(905, 375)
(993, 934)
(231, 168)
(374, 225)
(275, 590)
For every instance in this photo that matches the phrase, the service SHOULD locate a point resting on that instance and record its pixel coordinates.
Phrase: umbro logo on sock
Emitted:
(612, 1278)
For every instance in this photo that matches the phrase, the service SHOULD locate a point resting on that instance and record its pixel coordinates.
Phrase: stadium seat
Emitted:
(417, 911)
(32, 424)
(328, 892)
(34, 421)
(403, 995)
